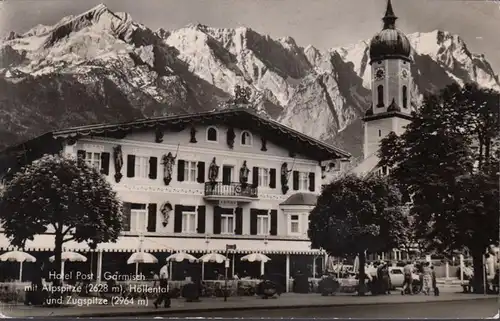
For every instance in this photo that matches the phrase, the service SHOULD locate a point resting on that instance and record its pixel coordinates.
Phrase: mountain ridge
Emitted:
(123, 70)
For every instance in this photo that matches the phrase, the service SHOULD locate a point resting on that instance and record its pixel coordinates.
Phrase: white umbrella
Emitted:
(141, 257)
(181, 256)
(212, 257)
(18, 256)
(256, 257)
(68, 256)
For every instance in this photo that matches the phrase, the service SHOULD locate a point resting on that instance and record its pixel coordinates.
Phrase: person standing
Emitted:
(408, 278)
(164, 296)
(434, 282)
(427, 278)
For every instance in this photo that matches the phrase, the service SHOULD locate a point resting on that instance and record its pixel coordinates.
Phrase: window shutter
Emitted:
(201, 172)
(272, 178)
(253, 221)
(255, 176)
(126, 207)
(105, 163)
(178, 218)
(295, 180)
(153, 167)
(80, 154)
(312, 184)
(152, 215)
(217, 220)
(130, 165)
(274, 223)
(180, 170)
(201, 219)
(238, 230)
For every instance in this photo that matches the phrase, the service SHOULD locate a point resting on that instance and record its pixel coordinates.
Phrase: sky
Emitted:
(321, 23)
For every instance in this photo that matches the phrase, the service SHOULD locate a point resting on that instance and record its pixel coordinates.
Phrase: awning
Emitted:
(46, 242)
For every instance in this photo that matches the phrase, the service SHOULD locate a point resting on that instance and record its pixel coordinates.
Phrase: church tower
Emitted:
(390, 60)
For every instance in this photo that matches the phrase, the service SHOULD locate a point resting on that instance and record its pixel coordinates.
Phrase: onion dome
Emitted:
(390, 42)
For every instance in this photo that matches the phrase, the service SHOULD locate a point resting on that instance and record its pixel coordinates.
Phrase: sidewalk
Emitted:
(289, 300)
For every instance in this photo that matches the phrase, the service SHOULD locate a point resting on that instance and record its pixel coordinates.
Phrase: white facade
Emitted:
(252, 222)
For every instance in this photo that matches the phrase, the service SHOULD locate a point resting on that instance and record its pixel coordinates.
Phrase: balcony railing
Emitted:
(232, 189)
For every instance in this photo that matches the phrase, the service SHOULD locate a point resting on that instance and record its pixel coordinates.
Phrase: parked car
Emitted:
(397, 276)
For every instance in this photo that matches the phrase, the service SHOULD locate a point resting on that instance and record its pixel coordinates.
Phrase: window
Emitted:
(263, 224)
(211, 134)
(379, 133)
(405, 97)
(141, 167)
(264, 177)
(227, 224)
(190, 171)
(303, 181)
(380, 96)
(138, 218)
(293, 227)
(93, 159)
(246, 138)
(189, 222)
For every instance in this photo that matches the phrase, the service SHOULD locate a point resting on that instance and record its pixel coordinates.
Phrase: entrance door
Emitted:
(227, 174)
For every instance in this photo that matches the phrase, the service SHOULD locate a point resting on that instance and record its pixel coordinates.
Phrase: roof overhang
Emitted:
(242, 118)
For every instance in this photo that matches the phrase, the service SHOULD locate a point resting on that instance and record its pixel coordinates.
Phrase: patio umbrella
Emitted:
(141, 257)
(212, 257)
(181, 256)
(18, 256)
(257, 257)
(68, 257)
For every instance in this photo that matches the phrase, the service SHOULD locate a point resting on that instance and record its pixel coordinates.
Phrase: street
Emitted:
(451, 309)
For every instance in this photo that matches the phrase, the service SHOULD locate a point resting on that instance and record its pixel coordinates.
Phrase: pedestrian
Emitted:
(386, 279)
(408, 278)
(434, 283)
(164, 296)
(427, 278)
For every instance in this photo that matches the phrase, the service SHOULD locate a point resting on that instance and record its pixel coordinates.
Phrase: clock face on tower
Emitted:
(404, 74)
(379, 74)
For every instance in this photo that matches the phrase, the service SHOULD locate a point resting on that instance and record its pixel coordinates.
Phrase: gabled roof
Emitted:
(305, 199)
(367, 165)
(242, 118)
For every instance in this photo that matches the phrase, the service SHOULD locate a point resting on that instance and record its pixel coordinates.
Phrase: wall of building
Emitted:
(191, 193)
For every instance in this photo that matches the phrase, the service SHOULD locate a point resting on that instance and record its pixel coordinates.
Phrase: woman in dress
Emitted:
(427, 278)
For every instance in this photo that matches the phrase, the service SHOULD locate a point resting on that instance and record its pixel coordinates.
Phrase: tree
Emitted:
(448, 161)
(64, 193)
(354, 215)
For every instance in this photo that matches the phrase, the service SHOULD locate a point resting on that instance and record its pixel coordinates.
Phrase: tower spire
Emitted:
(389, 17)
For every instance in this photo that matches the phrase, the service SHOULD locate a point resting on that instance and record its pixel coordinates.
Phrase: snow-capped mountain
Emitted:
(102, 66)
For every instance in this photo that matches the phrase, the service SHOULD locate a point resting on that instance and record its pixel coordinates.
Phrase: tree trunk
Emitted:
(361, 285)
(57, 263)
(478, 265)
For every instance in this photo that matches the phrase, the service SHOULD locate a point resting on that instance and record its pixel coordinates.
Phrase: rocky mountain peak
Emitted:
(101, 66)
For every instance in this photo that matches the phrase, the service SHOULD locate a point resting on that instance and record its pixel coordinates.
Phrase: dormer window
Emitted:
(212, 134)
(246, 138)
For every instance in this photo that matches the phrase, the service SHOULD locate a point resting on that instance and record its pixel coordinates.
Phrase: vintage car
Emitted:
(397, 276)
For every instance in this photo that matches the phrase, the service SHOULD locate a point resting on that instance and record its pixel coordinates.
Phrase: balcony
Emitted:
(230, 192)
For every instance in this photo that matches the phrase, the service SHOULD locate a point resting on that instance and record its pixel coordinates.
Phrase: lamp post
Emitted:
(226, 266)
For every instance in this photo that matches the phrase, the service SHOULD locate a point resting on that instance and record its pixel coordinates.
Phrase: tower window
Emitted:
(379, 133)
(380, 96)
(405, 97)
